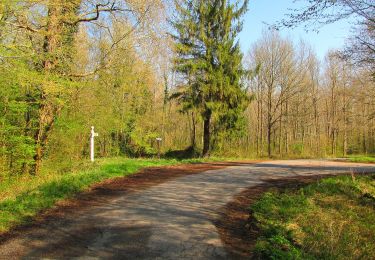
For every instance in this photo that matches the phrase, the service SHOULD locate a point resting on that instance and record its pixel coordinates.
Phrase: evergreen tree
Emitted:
(210, 61)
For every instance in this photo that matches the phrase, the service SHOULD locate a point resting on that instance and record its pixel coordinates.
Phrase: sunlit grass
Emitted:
(331, 219)
(362, 159)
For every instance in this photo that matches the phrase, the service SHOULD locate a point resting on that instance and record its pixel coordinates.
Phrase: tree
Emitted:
(280, 77)
(361, 46)
(209, 61)
(45, 42)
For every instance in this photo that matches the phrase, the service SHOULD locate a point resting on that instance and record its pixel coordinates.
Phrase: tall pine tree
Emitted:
(210, 61)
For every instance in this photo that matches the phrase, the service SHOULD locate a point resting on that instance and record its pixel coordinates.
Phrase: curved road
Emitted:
(172, 220)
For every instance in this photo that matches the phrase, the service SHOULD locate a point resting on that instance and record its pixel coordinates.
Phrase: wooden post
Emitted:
(158, 141)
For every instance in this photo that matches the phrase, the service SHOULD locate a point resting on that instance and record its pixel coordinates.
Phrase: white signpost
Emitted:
(93, 135)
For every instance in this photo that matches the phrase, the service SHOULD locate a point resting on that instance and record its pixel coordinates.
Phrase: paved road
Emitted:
(173, 220)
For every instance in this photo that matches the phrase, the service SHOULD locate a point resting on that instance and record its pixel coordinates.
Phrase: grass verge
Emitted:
(21, 198)
(362, 159)
(331, 219)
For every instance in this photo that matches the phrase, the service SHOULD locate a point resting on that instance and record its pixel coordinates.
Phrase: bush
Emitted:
(190, 152)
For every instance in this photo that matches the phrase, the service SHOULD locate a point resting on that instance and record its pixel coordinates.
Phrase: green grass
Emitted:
(331, 219)
(362, 159)
(21, 198)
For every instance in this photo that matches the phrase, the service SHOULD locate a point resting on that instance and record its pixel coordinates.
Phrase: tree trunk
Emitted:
(269, 128)
(46, 120)
(45, 112)
(280, 129)
(269, 140)
(193, 130)
(261, 130)
(345, 141)
(206, 134)
(287, 129)
(258, 127)
(52, 43)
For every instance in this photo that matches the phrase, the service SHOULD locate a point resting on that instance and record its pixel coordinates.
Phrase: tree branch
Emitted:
(100, 8)
(23, 26)
(114, 44)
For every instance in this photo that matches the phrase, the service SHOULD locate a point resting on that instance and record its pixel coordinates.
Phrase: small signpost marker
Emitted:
(158, 141)
(93, 135)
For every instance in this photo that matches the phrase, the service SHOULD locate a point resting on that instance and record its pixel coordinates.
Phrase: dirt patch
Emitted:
(236, 226)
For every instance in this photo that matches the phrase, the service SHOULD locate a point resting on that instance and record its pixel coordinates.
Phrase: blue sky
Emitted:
(329, 37)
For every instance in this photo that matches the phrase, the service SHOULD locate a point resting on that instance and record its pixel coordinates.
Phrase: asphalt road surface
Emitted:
(170, 220)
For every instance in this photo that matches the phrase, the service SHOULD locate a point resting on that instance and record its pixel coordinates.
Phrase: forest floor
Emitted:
(185, 211)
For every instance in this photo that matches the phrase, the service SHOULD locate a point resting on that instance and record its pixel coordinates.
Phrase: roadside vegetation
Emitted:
(23, 196)
(331, 219)
(362, 159)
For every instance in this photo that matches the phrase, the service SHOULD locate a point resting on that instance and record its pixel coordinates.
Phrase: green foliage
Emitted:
(297, 149)
(16, 88)
(330, 219)
(47, 107)
(362, 159)
(20, 91)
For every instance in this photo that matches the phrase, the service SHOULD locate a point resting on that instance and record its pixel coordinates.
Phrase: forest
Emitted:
(139, 70)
